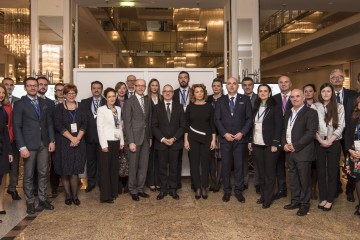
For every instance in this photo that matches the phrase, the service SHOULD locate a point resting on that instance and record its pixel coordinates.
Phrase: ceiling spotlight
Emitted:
(127, 4)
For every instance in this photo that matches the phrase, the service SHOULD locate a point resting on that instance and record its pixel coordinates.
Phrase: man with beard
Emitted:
(181, 95)
(130, 84)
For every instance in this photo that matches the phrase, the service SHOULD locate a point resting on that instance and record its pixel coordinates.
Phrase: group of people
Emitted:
(153, 130)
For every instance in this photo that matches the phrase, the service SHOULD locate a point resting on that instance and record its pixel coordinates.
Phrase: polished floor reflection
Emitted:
(187, 218)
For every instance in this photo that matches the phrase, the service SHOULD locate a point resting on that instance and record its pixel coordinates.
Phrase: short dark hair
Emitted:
(8, 78)
(59, 84)
(219, 80)
(70, 87)
(29, 79)
(97, 82)
(43, 77)
(310, 85)
(185, 73)
(247, 79)
(109, 89)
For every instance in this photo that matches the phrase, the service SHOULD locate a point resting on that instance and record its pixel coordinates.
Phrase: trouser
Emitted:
(199, 156)
(280, 172)
(168, 160)
(138, 165)
(153, 168)
(109, 167)
(54, 178)
(92, 157)
(327, 166)
(40, 159)
(14, 168)
(265, 163)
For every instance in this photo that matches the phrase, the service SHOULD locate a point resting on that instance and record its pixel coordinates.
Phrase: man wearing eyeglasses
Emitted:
(137, 120)
(130, 84)
(59, 94)
(35, 138)
(343, 96)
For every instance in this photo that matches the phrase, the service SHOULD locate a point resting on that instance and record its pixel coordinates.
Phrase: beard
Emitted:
(184, 84)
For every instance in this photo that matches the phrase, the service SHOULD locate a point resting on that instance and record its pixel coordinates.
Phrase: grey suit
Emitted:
(138, 131)
(34, 131)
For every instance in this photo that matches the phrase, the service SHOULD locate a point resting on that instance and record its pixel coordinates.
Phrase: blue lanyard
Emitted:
(184, 100)
(259, 116)
(73, 115)
(293, 120)
(36, 108)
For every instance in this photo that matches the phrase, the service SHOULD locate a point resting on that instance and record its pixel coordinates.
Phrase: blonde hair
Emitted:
(192, 91)
(6, 99)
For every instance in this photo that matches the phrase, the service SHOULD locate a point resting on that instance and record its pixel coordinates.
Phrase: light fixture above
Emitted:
(127, 4)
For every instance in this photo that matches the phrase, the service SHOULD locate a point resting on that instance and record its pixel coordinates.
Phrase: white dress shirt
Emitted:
(291, 123)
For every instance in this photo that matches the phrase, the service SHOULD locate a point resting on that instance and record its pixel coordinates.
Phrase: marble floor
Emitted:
(187, 218)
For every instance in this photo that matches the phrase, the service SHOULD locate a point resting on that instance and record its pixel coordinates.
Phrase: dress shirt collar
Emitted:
(32, 98)
(341, 91)
(287, 95)
(97, 99)
(232, 96)
(138, 96)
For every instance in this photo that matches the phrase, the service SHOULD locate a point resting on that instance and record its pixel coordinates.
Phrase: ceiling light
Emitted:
(127, 4)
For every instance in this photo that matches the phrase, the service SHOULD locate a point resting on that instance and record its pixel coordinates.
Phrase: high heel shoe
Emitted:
(357, 212)
(152, 188)
(3, 212)
(321, 205)
(204, 193)
(68, 201)
(327, 209)
(76, 201)
(198, 194)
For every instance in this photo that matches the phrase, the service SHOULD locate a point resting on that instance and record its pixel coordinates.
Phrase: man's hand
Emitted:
(238, 136)
(25, 153)
(132, 147)
(11, 158)
(105, 149)
(51, 147)
(229, 137)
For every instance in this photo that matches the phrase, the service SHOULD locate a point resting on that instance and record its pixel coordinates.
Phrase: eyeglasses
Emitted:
(170, 91)
(58, 90)
(337, 78)
(71, 94)
(32, 86)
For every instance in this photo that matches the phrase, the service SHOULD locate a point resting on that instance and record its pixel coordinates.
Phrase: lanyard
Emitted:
(36, 107)
(115, 115)
(73, 115)
(184, 100)
(293, 120)
(259, 116)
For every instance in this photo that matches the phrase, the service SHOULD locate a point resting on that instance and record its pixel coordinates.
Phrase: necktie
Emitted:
(96, 105)
(184, 99)
(284, 101)
(131, 93)
(232, 104)
(338, 100)
(36, 106)
(142, 104)
(168, 113)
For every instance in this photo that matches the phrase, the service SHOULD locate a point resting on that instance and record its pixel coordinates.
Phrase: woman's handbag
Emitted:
(123, 164)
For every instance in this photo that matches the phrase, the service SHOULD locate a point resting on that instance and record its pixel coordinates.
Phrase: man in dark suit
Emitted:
(14, 165)
(282, 99)
(90, 106)
(247, 85)
(35, 138)
(233, 119)
(137, 122)
(345, 97)
(168, 126)
(181, 95)
(299, 130)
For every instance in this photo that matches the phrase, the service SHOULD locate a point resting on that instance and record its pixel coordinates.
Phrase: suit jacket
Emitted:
(51, 105)
(272, 125)
(5, 147)
(253, 99)
(14, 99)
(241, 121)
(162, 128)
(302, 134)
(136, 122)
(91, 135)
(30, 130)
(176, 97)
(278, 100)
(349, 98)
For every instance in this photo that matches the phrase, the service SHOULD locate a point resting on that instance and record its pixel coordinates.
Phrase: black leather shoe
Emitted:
(14, 195)
(175, 196)
(264, 206)
(280, 194)
(30, 208)
(204, 193)
(320, 207)
(325, 209)
(179, 186)
(350, 197)
(357, 212)
(76, 201)
(68, 201)
(226, 197)
(89, 189)
(3, 212)
(292, 205)
(302, 211)
(135, 197)
(211, 188)
(217, 188)
(257, 189)
(44, 205)
(160, 196)
(198, 193)
(143, 195)
(240, 197)
(260, 201)
(107, 201)
(246, 186)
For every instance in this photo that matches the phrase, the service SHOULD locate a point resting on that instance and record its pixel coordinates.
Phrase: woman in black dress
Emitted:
(200, 138)
(5, 147)
(352, 145)
(70, 125)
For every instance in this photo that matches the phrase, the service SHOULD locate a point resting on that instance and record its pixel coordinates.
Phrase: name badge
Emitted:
(73, 127)
(357, 145)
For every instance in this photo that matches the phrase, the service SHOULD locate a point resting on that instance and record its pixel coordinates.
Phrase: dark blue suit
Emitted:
(233, 152)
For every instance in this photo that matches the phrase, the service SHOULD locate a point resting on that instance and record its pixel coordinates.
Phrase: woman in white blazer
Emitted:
(111, 138)
(328, 147)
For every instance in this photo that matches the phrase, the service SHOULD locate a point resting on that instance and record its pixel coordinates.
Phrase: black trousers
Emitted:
(153, 168)
(168, 160)
(327, 167)
(54, 178)
(199, 157)
(265, 165)
(300, 180)
(280, 172)
(109, 175)
(93, 151)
